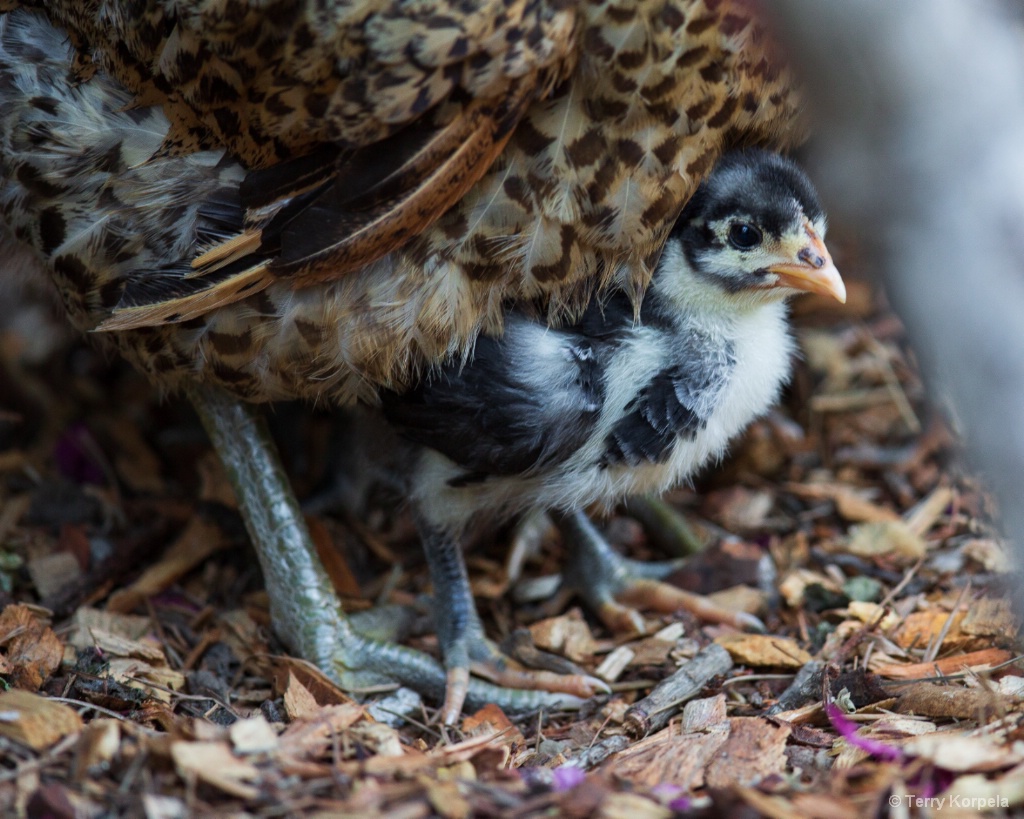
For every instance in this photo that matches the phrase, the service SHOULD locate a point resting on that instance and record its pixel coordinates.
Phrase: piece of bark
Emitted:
(654, 711)
(756, 748)
(806, 687)
(949, 701)
(670, 757)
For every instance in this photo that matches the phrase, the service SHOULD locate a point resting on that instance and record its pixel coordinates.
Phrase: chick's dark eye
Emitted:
(744, 236)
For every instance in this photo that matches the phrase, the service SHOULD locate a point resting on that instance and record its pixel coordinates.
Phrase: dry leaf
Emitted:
(31, 651)
(956, 752)
(888, 539)
(253, 736)
(214, 764)
(764, 650)
(491, 720)
(126, 626)
(307, 736)
(630, 806)
(921, 628)
(281, 670)
(850, 503)
(298, 701)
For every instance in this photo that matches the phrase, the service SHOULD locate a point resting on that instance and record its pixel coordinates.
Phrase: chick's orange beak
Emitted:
(812, 269)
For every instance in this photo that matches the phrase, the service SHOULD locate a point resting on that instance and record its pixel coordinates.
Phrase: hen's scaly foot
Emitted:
(616, 587)
(305, 610)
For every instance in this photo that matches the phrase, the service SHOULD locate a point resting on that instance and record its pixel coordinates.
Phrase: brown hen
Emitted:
(310, 199)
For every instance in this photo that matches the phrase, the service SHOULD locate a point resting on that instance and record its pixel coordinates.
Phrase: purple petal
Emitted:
(848, 730)
(567, 777)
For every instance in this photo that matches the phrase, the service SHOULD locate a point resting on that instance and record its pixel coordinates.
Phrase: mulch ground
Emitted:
(142, 677)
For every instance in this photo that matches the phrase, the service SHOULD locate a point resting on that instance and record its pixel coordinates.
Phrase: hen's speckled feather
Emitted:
(323, 133)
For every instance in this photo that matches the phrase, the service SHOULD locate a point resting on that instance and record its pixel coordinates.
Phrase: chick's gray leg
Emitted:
(305, 610)
(616, 588)
(461, 636)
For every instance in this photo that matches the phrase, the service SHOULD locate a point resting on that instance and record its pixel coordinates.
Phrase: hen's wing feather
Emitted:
(311, 113)
(429, 91)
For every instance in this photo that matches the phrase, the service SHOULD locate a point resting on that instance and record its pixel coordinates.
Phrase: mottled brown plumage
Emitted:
(364, 183)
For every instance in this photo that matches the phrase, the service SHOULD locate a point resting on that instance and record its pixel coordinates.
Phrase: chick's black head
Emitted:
(755, 230)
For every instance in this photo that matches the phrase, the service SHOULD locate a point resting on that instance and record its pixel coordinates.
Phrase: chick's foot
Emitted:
(617, 588)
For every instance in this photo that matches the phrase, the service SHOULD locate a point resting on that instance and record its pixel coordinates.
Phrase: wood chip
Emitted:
(446, 800)
(656, 709)
(741, 598)
(924, 515)
(793, 586)
(34, 720)
(97, 746)
(989, 617)
(308, 736)
(702, 714)
(650, 651)
(975, 661)
(989, 553)
(615, 663)
(163, 807)
(145, 677)
(630, 806)
(801, 804)
(874, 613)
(568, 635)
